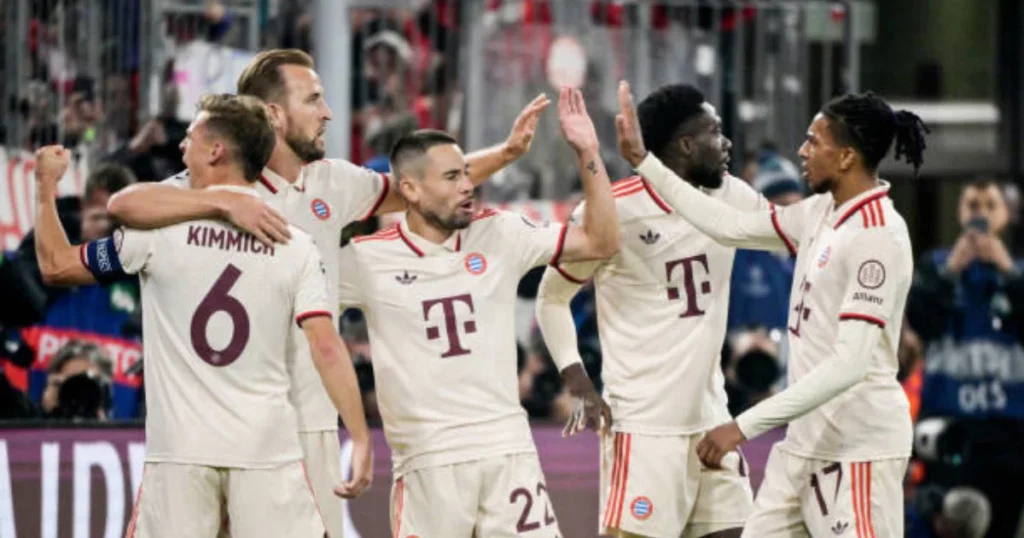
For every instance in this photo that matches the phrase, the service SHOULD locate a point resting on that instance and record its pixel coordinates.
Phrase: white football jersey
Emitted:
(441, 321)
(853, 262)
(327, 196)
(218, 310)
(662, 309)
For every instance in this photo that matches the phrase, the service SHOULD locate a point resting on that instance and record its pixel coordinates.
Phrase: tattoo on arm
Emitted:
(592, 167)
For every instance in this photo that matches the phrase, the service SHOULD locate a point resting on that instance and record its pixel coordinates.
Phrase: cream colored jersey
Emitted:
(328, 195)
(853, 262)
(218, 309)
(662, 308)
(441, 322)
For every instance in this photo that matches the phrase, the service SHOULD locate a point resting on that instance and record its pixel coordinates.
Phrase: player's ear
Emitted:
(408, 189)
(218, 153)
(847, 158)
(277, 116)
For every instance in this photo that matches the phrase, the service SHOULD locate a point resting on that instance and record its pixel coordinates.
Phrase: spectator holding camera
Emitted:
(77, 384)
(967, 306)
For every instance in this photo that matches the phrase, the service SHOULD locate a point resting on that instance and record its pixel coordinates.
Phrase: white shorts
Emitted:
(193, 500)
(806, 497)
(500, 497)
(322, 452)
(657, 486)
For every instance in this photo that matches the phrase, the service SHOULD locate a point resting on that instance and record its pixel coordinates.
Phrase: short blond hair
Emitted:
(244, 123)
(262, 77)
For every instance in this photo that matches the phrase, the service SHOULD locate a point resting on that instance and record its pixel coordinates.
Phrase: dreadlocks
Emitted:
(868, 124)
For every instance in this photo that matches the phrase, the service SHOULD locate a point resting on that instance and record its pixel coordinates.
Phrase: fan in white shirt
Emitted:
(842, 462)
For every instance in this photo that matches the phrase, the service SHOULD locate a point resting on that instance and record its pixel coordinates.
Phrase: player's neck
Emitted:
(421, 227)
(284, 162)
(853, 186)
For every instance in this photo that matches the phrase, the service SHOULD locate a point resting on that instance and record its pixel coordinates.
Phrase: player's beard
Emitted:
(709, 177)
(451, 222)
(823, 186)
(305, 148)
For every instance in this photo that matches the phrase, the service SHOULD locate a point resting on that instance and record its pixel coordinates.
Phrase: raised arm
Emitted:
(156, 205)
(486, 162)
(763, 230)
(598, 238)
(60, 262)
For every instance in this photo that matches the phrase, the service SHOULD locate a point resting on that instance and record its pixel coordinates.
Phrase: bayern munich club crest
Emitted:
(641, 508)
(320, 209)
(475, 263)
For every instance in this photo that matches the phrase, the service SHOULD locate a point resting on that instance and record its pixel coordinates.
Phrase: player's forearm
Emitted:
(146, 207)
(555, 319)
(718, 220)
(600, 224)
(332, 361)
(853, 350)
(486, 162)
(59, 260)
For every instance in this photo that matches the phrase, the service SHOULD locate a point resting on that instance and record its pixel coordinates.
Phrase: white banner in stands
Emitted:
(201, 68)
(18, 191)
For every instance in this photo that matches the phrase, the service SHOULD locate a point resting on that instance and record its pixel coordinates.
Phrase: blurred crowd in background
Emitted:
(76, 354)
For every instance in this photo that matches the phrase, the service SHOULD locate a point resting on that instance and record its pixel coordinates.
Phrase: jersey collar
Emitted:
(276, 184)
(851, 206)
(421, 247)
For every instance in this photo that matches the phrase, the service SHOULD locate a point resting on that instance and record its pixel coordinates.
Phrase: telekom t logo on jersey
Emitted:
(451, 322)
(689, 283)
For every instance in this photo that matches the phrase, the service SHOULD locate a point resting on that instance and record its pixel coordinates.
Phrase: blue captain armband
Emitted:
(102, 260)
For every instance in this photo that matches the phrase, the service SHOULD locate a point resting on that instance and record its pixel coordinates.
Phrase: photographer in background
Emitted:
(78, 383)
(967, 306)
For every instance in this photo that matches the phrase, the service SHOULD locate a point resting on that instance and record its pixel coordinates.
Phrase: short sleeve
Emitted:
(531, 243)
(125, 252)
(350, 286)
(871, 287)
(357, 192)
(311, 296)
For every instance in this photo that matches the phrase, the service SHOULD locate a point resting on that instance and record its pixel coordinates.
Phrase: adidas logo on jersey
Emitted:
(840, 527)
(405, 278)
(651, 237)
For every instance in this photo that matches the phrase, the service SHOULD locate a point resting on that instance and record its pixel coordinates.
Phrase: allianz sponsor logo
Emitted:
(867, 297)
(976, 359)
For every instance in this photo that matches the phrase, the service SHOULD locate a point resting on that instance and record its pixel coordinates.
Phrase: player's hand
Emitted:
(962, 254)
(592, 412)
(719, 442)
(362, 472)
(627, 128)
(255, 216)
(51, 164)
(525, 126)
(577, 127)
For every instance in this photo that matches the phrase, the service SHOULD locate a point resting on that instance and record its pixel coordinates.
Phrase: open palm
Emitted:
(577, 127)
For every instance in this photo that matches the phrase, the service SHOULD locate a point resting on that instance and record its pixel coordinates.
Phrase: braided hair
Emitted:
(867, 123)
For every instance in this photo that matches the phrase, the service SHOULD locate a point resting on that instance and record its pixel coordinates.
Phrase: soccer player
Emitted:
(218, 311)
(840, 468)
(663, 304)
(438, 291)
(319, 196)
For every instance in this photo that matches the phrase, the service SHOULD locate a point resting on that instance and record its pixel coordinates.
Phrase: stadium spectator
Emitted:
(967, 305)
(78, 383)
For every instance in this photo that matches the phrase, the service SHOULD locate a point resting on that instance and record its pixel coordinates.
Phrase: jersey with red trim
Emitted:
(662, 309)
(218, 309)
(854, 263)
(441, 320)
(328, 195)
